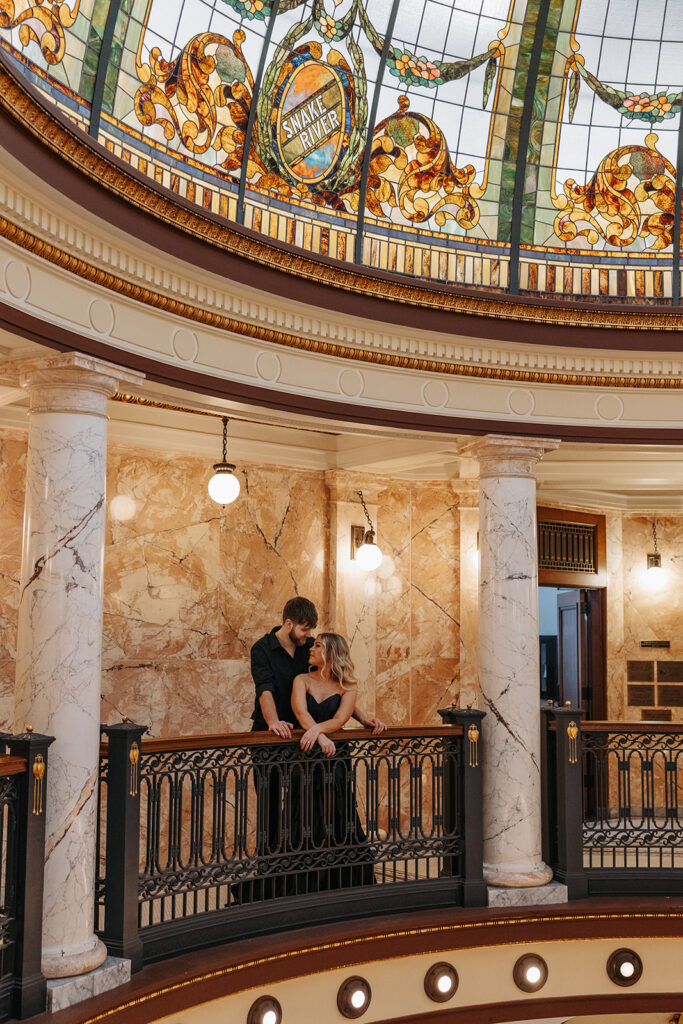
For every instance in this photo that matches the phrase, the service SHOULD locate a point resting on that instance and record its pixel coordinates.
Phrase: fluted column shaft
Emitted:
(509, 659)
(59, 639)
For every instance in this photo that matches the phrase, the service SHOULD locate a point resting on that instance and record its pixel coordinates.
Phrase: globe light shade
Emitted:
(224, 486)
(369, 557)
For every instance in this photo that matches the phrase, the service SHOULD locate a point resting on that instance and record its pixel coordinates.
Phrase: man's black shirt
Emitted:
(273, 671)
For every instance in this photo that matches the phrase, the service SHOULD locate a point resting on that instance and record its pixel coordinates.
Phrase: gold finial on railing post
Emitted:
(29, 728)
(38, 776)
(134, 758)
(473, 737)
(572, 733)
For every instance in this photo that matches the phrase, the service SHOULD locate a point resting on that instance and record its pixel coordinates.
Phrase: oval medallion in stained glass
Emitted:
(313, 120)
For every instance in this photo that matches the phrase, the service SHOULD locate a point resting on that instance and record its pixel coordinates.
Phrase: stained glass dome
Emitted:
(513, 146)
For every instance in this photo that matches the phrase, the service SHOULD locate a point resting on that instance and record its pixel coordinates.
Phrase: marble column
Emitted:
(509, 658)
(352, 595)
(59, 638)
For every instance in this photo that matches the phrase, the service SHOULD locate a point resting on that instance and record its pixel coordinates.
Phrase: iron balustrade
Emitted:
(205, 839)
(614, 805)
(23, 782)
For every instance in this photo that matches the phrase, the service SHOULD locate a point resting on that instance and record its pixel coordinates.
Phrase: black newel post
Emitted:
(122, 858)
(463, 793)
(564, 773)
(25, 872)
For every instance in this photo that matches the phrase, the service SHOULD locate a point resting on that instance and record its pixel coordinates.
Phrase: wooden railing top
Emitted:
(637, 727)
(255, 739)
(11, 765)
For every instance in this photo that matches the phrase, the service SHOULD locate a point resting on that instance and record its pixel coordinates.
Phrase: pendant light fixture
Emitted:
(224, 486)
(368, 556)
(655, 574)
(654, 559)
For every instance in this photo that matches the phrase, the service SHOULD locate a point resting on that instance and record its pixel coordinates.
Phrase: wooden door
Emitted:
(582, 650)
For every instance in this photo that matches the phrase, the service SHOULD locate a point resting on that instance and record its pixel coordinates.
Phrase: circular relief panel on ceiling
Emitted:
(268, 367)
(185, 345)
(609, 407)
(17, 279)
(101, 316)
(435, 394)
(351, 383)
(520, 402)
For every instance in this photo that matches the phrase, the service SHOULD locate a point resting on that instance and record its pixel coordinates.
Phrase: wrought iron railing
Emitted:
(614, 799)
(23, 781)
(204, 839)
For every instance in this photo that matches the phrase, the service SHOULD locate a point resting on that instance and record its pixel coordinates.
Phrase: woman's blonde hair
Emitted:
(337, 659)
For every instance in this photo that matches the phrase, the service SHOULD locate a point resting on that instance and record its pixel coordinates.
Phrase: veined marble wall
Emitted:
(13, 449)
(189, 586)
(652, 610)
(418, 604)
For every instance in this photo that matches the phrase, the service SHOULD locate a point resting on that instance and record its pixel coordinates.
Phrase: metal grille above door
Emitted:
(570, 547)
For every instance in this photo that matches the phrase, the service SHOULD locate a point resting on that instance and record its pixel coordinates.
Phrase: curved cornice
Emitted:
(83, 170)
(177, 985)
(158, 300)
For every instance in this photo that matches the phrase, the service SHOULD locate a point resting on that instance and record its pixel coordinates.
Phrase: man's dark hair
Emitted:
(301, 611)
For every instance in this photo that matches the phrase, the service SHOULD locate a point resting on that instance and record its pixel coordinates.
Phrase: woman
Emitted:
(323, 701)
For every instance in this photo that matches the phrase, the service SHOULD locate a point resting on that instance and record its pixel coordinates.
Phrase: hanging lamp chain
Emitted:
(225, 439)
(365, 509)
(654, 536)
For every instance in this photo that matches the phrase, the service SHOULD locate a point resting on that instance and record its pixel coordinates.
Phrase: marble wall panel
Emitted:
(273, 546)
(162, 564)
(435, 569)
(616, 659)
(652, 602)
(13, 449)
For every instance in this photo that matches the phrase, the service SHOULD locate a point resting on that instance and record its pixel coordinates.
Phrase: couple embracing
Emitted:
(312, 682)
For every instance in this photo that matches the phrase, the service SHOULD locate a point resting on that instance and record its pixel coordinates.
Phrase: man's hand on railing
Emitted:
(283, 729)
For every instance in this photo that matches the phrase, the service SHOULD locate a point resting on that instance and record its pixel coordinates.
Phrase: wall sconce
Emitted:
(224, 486)
(367, 554)
(654, 559)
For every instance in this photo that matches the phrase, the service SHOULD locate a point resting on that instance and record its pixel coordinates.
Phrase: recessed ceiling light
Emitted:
(530, 973)
(624, 967)
(353, 997)
(441, 982)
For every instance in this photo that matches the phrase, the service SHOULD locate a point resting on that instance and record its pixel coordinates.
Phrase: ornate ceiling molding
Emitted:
(19, 103)
(157, 300)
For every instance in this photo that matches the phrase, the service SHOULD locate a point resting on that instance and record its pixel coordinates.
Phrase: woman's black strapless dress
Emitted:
(335, 837)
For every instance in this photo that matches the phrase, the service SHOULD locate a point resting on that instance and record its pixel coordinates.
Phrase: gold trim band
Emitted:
(105, 279)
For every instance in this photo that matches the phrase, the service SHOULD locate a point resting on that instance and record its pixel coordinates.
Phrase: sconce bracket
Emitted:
(654, 561)
(357, 538)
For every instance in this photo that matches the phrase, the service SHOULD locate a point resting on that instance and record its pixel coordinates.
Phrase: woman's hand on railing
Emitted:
(326, 745)
(309, 738)
(377, 726)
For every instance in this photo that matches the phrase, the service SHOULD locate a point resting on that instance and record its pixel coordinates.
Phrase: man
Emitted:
(276, 659)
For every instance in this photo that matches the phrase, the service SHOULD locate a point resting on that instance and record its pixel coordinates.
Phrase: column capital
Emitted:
(68, 382)
(501, 455)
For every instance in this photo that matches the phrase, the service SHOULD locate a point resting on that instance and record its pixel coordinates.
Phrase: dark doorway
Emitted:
(573, 648)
